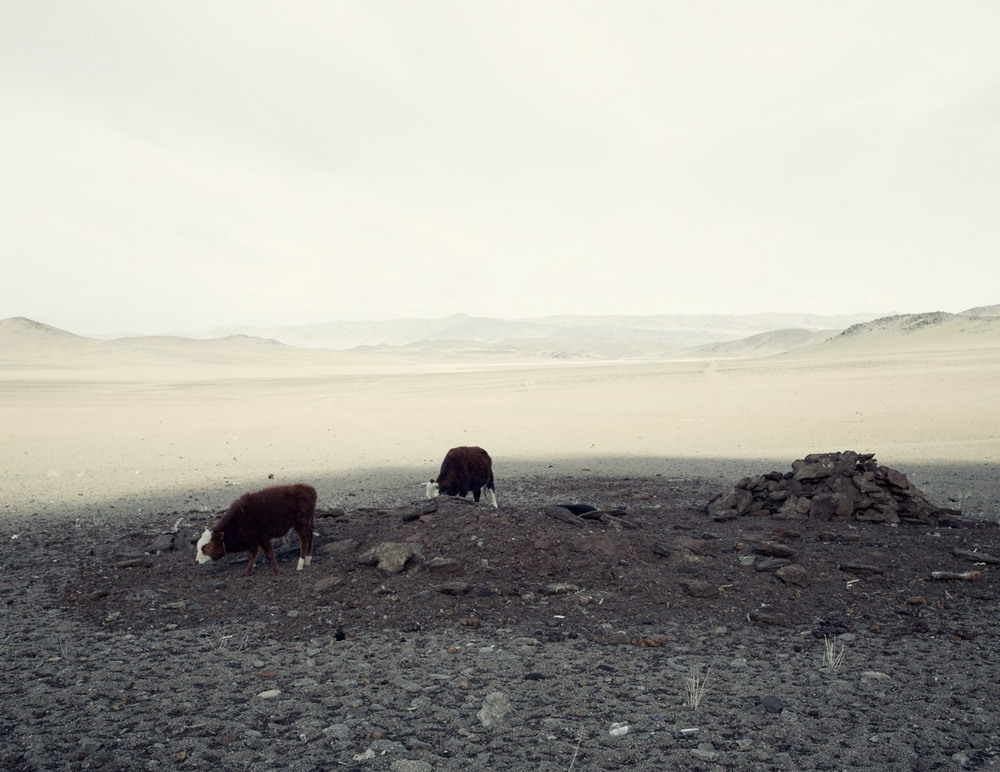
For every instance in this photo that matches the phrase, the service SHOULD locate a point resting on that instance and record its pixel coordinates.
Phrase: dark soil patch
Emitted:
(657, 559)
(122, 656)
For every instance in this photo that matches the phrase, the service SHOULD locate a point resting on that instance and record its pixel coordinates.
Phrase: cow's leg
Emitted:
(271, 557)
(491, 491)
(475, 494)
(305, 547)
(250, 561)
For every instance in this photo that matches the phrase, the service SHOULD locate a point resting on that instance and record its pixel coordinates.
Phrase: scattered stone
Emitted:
(678, 554)
(774, 549)
(772, 703)
(443, 565)
(769, 617)
(697, 546)
(162, 543)
(454, 588)
(326, 584)
(698, 589)
(966, 576)
(269, 694)
(560, 588)
(975, 557)
(860, 569)
(771, 564)
(616, 521)
(133, 563)
(793, 574)
(496, 706)
(391, 557)
(828, 486)
(618, 729)
(559, 513)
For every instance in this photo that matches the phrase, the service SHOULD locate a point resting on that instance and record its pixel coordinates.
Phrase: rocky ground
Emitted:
(654, 632)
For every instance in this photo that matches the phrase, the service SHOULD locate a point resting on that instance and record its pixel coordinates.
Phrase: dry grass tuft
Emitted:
(833, 653)
(695, 686)
(576, 751)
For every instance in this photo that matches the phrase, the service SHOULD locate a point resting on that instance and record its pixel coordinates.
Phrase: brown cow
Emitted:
(254, 519)
(464, 469)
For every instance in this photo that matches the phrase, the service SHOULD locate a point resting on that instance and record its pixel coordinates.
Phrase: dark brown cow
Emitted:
(254, 519)
(464, 469)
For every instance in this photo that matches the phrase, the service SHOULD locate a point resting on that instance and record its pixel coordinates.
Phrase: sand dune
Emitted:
(88, 421)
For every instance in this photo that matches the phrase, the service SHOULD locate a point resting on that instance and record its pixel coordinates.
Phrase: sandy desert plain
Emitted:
(511, 640)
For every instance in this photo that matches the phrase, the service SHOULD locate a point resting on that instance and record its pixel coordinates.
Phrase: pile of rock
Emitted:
(825, 486)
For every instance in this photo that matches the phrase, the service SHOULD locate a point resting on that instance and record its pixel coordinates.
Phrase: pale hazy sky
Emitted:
(178, 165)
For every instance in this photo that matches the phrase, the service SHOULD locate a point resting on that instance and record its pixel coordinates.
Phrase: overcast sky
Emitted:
(175, 166)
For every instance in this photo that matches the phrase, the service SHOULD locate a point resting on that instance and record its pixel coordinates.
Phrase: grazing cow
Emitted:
(464, 469)
(254, 519)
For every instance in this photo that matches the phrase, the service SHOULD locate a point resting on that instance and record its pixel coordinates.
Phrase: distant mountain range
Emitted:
(651, 337)
(557, 337)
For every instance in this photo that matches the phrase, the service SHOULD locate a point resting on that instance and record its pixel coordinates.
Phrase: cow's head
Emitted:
(209, 547)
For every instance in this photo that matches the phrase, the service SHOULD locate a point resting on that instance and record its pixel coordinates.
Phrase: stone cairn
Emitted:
(828, 486)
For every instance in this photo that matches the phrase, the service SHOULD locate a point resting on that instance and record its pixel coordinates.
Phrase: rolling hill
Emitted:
(24, 341)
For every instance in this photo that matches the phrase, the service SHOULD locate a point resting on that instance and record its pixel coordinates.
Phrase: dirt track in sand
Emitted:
(512, 639)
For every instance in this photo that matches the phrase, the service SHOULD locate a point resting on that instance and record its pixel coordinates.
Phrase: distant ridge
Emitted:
(658, 335)
(983, 311)
(21, 330)
(932, 331)
(21, 327)
(651, 338)
(25, 342)
(763, 344)
(911, 323)
(901, 322)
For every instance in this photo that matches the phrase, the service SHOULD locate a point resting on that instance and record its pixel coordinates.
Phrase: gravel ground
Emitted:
(510, 640)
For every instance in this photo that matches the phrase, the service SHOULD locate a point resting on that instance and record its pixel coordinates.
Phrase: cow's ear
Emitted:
(219, 535)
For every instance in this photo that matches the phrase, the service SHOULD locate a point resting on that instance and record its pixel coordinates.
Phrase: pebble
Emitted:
(772, 703)
(619, 729)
